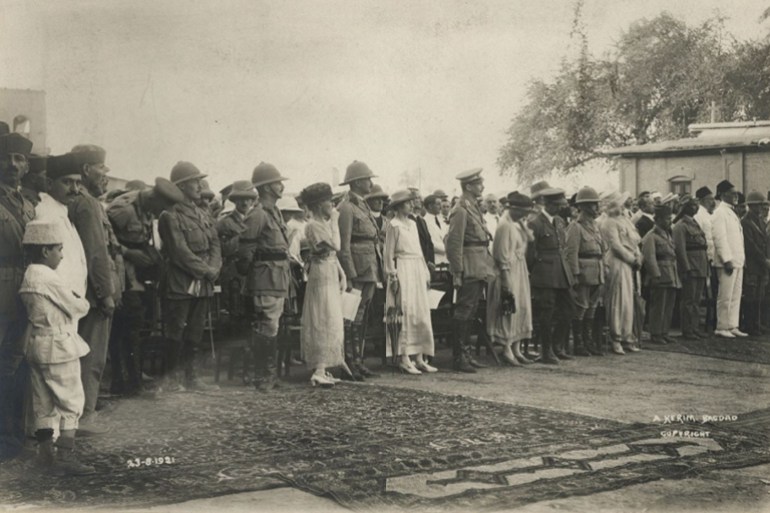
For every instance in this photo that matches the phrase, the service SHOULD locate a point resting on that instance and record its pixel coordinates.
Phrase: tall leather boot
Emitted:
(360, 346)
(598, 335)
(460, 359)
(350, 356)
(546, 348)
(269, 378)
(559, 341)
(589, 342)
(577, 337)
(468, 348)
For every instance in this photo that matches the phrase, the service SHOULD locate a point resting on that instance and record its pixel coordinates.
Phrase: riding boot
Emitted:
(559, 341)
(360, 347)
(546, 348)
(460, 341)
(587, 334)
(597, 334)
(350, 356)
(269, 365)
(577, 337)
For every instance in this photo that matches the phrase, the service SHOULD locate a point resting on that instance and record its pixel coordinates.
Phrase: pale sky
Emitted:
(307, 85)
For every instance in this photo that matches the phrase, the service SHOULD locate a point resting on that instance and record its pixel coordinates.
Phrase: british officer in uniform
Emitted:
(193, 260)
(131, 215)
(470, 263)
(585, 254)
(230, 226)
(264, 254)
(361, 259)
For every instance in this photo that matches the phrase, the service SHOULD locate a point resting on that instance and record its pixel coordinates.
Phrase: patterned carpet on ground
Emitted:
(752, 349)
(369, 447)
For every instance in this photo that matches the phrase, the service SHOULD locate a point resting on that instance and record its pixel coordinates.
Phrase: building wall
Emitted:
(654, 173)
(31, 104)
(756, 172)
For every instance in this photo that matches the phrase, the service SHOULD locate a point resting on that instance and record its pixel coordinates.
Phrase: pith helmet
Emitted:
(357, 171)
(587, 195)
(756, 198)
(185, 171)
(265, 174)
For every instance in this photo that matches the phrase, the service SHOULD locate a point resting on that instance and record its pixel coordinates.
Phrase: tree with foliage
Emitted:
(661, 76)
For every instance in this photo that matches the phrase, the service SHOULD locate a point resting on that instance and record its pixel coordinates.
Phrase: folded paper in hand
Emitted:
(435, 297)
(350, 302)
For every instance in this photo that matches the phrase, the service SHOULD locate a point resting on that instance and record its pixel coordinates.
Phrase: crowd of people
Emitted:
(548, 275)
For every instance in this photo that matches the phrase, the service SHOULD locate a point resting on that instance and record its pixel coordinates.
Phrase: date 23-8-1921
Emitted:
(150, 462)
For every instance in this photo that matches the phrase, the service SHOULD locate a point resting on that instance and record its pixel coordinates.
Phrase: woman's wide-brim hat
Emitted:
(520, 201)
(316, 193)
(399, 197)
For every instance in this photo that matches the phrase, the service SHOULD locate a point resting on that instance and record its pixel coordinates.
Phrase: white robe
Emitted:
(73, 269)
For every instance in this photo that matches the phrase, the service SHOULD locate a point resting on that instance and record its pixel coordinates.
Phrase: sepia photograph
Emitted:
(418, 256)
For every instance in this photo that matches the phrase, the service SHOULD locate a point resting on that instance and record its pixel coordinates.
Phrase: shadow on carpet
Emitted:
(369, 447)
(752, 349)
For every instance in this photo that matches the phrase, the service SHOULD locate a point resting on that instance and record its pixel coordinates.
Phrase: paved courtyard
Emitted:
(594, 434)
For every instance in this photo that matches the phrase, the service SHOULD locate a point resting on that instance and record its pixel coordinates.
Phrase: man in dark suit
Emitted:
(755, 270)
(550, 277)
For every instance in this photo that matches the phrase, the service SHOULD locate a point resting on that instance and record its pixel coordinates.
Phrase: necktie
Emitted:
(438, 223)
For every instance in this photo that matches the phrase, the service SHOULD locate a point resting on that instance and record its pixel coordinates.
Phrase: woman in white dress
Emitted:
(509, 249)
(322, 335)
(623, 261)
(408, 276)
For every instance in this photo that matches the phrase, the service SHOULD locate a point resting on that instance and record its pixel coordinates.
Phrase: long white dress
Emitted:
(509, 251)
(403, 256)
(323, 328)
(623, 240)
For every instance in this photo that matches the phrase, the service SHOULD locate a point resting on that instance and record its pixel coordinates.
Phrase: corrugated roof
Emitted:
(712, 142)
(711, 137)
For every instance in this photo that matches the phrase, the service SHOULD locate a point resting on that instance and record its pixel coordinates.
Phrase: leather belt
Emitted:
(694, 248)
(476, 243)
(665, 257)
(361, 238)
(590, 256)
(270, 257)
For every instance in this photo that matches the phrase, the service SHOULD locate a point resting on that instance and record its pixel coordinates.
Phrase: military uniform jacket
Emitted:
(191, 251)
(360, 253)
(103, 254)
(467, 241)
(15, 213)
(755, 241)
(264, 252)
(133, 230)
(548, 254)
(585, 251)
(229, 228)
(691, 248)
(659, 256)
